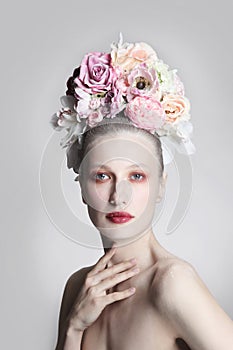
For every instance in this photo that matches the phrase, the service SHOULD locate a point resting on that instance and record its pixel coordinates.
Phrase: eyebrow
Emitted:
(102, 166)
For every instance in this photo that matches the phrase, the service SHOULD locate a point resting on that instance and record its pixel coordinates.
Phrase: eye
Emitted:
(100, 176)
(103, 176)
(139, 176)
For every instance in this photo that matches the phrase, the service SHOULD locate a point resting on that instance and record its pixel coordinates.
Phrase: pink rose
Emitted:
(175, 106)
(96, 74)
(94, 103)
(94, 118)
(146, 113)
(114, 101)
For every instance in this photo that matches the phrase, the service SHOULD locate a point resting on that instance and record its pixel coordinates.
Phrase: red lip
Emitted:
(119, 214)
(119, 219)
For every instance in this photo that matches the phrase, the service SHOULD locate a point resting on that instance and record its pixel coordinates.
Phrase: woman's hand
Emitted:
(93, 296)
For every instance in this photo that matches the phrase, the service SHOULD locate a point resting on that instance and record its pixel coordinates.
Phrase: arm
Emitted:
(199, 320)
(69, 339)
(73, 340)
(85, 297)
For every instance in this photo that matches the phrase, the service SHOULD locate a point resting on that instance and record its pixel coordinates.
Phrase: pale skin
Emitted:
(170, 307)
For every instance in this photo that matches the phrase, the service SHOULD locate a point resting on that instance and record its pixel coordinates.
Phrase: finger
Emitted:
(112, 297)
(102, 262)
(111, 282)
(111, 271)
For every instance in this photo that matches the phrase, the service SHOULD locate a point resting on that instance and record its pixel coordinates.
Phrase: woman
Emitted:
(138, 295)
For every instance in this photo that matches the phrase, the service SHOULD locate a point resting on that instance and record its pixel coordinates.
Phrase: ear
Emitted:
(161, 187)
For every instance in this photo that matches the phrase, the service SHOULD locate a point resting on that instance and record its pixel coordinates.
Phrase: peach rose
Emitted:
(175, 106)
(130, 55)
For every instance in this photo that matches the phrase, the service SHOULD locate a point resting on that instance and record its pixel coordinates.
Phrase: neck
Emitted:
(145, 249)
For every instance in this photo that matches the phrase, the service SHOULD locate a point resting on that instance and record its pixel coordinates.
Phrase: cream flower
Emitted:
(67, 118)
(127, 56)
(166, 77)
(176, 107)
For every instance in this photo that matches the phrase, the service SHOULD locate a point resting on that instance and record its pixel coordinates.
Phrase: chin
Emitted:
(128, 232)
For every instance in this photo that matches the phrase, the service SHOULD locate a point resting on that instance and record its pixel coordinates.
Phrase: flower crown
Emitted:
(131, 78)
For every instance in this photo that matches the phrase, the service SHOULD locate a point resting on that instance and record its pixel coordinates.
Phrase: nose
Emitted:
(121, 193)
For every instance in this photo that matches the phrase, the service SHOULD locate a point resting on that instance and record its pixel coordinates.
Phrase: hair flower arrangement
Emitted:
(130, 78)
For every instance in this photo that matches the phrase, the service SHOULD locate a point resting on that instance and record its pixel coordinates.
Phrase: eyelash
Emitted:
(142, 176)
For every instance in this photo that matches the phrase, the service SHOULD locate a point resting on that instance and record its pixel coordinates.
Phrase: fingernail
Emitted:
(132, 290)
(133, 260)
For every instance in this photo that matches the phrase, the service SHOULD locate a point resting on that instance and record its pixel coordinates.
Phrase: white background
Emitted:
(41, 43)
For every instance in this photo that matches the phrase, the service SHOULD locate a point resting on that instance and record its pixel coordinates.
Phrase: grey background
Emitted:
(41, 43)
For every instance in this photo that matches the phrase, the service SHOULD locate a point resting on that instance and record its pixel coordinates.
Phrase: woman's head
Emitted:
(136, 96)
(121, 169)
(117, 126)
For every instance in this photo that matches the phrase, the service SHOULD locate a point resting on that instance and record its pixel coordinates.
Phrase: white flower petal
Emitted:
(189, 146)
(73, 133)
(83, 107)
(82, 94)
(184, 129)
(80, 127)
(54, 122)
(70, 117)
(68, 101)
(183, 146)
(64, 123)
(167, 151)
(66, 140)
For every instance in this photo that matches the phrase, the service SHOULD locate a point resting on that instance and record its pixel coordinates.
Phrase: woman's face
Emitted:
(121, 174)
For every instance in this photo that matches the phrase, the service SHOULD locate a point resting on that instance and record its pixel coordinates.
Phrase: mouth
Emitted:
(119, 217)
(119, 214)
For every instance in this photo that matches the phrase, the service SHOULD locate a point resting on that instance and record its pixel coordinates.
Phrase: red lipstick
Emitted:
(119, 217)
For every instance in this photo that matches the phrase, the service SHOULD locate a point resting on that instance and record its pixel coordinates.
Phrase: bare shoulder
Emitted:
(167, 267)
(71, 291)
(170, 272)
(184, 300)
(75, 280)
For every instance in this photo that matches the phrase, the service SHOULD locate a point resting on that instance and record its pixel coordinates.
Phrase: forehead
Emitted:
(124, 150)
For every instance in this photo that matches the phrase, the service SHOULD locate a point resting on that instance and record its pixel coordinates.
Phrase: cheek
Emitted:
(140, 193)
(140, 196)
(96, 196)
(145, 195)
